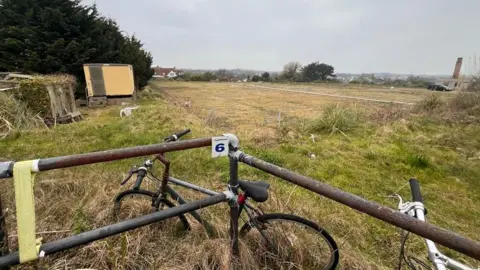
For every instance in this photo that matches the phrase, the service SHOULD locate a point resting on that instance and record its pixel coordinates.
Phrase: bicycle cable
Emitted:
(409, 259)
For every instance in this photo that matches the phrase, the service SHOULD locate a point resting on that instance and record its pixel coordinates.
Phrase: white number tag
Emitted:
(219, 146)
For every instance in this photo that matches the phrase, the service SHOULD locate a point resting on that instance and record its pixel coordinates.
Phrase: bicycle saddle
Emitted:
(257, 190)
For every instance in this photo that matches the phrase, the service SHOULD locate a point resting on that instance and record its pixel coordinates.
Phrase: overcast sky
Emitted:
(410, 36)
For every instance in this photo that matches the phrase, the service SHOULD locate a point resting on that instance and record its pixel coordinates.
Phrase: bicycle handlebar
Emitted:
(177, 136)
(415, 188)
(142, 172)
(129, 175)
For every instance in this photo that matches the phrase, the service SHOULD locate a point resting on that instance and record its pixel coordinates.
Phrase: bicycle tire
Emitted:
(149, 196)
(261, 221)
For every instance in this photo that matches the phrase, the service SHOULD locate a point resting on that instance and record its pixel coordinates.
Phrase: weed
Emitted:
(80, 222)
(14, 115)
(466, 102)
(418, 161)
(335, 117)
(429, 104)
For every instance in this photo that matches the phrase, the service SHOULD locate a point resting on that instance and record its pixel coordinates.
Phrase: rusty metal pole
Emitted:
(109, 155)
(436, 234)
(3, 234)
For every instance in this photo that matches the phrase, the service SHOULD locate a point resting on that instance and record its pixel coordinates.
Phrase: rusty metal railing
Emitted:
(439, 235)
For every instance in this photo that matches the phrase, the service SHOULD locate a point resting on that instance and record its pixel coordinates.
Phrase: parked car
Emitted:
(438, 87)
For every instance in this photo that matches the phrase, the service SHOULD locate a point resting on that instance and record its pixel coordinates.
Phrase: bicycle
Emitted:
(417, 209)
(280, 240)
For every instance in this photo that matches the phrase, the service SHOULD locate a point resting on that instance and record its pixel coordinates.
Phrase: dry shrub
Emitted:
(464, 107)
(335, 117)
(466, 101)
(389, 113)
(15, 115)
(474, 85)
(430, 104)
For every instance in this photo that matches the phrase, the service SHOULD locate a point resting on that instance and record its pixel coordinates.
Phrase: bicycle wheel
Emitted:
(141, 202)
(284, 241)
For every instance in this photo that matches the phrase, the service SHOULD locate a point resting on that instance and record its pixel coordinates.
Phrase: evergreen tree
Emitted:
(49, 36)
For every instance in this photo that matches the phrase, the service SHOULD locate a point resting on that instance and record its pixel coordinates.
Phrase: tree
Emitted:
(49, 36)
(316, 71)
(290, 71)
(208, 76)
(256, 78)
(265, 76)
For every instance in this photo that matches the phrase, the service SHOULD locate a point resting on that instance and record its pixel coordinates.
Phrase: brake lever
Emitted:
(129, 175)
(400, 200)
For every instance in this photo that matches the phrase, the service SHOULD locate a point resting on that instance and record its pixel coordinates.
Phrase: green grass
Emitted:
(368, 159)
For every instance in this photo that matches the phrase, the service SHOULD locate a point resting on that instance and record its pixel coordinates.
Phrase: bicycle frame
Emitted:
(442, 236)
(441, 261)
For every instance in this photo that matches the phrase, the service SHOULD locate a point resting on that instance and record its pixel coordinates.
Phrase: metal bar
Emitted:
(180, 200)
(100, 233)
(3, 234)
(109, 155)
(195, 214)
(166, 172)
(197, 188)
(438, 235)
(234, 209)
(192, 186)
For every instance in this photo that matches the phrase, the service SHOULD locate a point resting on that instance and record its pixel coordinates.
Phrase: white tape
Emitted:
(229, 194)
(35, 166)
(41, 254)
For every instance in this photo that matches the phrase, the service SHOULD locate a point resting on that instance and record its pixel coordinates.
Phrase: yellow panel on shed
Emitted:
(109, 79)
(118, 80)
(88, 80)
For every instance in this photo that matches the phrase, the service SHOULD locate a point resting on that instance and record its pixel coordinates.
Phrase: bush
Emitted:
(474, 85)
(335, 117)
(429, 104)
(465, 101)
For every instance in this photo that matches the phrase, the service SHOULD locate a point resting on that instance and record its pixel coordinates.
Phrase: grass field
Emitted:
(367, 148)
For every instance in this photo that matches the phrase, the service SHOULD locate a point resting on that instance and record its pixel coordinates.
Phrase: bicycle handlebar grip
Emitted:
(140, 175)
(126, 178)
(415, 188)
(182, 133)
(176, 136)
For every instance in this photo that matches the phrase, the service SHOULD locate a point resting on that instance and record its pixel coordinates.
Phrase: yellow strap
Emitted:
(25, 208)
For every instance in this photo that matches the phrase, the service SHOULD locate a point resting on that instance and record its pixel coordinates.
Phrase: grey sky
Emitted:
(418, 37)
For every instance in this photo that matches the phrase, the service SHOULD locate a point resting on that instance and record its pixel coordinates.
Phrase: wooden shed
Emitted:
(109, 83)
(51, 97)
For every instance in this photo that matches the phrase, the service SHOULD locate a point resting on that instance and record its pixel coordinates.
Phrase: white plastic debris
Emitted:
(127, 111)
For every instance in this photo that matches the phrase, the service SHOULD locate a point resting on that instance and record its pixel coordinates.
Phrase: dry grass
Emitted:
(373, 161)
(15, 116)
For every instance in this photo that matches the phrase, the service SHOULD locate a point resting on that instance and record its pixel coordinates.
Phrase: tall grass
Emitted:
(466, 101)
(14, 115)
(335, 117)
(375, 162)
(429, 104)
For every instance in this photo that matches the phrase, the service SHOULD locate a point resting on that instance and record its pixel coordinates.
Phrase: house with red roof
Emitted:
(160, 72)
